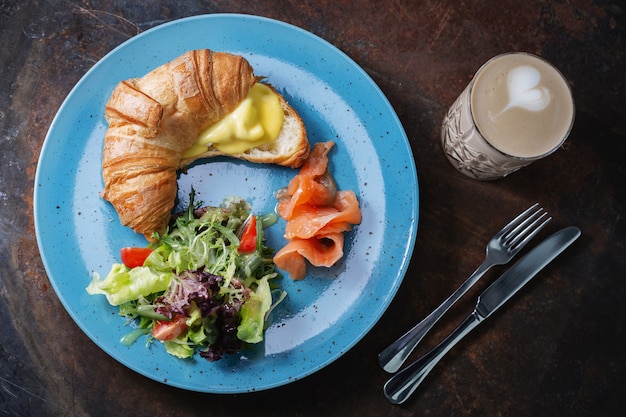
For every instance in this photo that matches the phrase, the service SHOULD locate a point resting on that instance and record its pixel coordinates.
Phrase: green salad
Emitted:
(207, 285)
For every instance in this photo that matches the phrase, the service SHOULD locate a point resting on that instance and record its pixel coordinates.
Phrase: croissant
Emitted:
(153, 120)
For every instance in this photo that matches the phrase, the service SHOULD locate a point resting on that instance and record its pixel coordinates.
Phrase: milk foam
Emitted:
(525, 91)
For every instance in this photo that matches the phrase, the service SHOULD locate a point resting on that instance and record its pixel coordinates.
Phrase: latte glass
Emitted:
(517, 109)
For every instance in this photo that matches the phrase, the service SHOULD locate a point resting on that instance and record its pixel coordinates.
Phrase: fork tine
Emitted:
(521, 239)
(520, 228)
(514, 223)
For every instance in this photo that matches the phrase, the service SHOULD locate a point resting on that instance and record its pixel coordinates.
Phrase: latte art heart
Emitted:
(524, 90)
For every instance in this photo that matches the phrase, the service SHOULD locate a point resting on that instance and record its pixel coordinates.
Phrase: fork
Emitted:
(500, 250)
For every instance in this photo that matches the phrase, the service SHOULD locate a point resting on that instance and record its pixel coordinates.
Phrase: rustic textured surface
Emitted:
(557, 350)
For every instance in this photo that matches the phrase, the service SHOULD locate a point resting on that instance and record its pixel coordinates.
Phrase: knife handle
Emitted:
(400, 387)
(394, 355)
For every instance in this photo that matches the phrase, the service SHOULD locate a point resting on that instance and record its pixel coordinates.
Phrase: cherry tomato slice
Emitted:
(168, 330)
(134, 257)
(247, 241)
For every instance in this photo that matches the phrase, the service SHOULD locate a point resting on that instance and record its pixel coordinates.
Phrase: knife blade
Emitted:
(400, 387)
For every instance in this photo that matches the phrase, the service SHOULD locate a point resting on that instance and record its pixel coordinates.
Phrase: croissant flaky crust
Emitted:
(153, 120)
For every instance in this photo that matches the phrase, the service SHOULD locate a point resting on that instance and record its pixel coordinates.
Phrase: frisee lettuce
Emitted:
(195, 270)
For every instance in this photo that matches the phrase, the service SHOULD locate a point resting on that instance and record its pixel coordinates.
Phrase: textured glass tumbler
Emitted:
(517, 109)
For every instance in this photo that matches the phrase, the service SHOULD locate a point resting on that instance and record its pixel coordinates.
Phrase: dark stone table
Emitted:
(557, 349)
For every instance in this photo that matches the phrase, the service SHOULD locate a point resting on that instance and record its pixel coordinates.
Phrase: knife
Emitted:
(400, 387)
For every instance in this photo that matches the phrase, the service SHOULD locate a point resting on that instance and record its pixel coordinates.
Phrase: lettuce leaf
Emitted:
(122, 284)
(253, 313)
(180, 350)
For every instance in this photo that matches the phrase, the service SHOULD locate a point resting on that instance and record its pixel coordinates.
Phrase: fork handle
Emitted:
(394, 355)
(400, 387)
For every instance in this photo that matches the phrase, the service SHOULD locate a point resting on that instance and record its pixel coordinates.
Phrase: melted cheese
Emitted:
(257, 120)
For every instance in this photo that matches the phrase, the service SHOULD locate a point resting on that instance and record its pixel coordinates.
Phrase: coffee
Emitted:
(521, 105)
(517, 109)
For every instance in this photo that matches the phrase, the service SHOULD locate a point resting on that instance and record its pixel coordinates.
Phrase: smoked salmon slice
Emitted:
(323, 250)
(313, 185)
(317, 216)
(307, 221)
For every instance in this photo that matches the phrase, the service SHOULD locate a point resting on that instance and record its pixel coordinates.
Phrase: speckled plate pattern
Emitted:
(331, 309)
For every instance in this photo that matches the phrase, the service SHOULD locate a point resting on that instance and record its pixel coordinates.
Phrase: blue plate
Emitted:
(331, 309)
